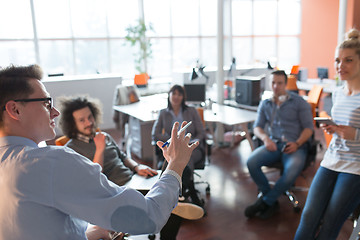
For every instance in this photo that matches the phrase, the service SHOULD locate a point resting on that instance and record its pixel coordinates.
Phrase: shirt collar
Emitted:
(84, 138)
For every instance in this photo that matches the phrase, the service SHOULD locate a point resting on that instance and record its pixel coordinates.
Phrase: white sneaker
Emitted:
(188, 211)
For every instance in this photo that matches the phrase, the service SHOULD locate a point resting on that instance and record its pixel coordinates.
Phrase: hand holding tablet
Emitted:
(324, 120)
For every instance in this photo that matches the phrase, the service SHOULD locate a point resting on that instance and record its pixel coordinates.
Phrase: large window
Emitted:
(266, 30)
(87, 36)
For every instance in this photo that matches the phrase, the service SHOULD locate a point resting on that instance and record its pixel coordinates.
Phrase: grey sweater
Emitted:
(114, 167)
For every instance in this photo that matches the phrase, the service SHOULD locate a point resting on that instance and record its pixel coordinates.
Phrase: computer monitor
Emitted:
(322, 73)
(195, 93)
(248, 90)
(302, 75)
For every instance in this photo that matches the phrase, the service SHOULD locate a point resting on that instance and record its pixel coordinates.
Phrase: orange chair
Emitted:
(291, 84)
(201, 114)
(313, 98)
(61, 141)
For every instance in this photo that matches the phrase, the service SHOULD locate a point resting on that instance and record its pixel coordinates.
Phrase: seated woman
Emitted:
(178, 111)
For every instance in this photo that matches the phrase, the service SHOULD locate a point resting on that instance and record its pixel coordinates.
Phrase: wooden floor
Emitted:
(232, 190)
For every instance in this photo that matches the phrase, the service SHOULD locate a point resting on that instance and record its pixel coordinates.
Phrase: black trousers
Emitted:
(171, 228)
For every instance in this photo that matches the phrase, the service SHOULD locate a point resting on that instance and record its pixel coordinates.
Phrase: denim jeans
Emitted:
(293, 165)
(332, 197)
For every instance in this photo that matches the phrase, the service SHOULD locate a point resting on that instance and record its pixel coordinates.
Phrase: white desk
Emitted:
(230, 116)
(329, 85)
(146, 111)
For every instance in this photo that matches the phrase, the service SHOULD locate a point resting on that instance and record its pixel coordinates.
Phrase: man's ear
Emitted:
(12, 109)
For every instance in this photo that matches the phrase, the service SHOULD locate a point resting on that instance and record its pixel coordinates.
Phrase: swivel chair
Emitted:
(310, 159)
(161, 164)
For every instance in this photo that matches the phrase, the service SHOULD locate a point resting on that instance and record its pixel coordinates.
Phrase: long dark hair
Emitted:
(181, 90)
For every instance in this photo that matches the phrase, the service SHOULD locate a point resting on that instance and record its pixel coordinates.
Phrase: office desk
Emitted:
(230, 116)
(142, 115)
(145, 112)
(146, 109)
(329, 85)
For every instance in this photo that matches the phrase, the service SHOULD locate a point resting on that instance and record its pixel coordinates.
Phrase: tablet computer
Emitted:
(327, 121)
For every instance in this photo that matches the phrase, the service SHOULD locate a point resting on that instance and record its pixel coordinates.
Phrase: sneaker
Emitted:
(258, 207)
(188, 211)
(270, 211)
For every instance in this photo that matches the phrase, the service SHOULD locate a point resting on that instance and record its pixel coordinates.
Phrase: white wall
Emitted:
(96, 86)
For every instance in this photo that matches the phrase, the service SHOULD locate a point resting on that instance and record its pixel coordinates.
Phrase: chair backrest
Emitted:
(313, 98)
(61, 141)
(315, 94)
(291, 83)
(201, 114)
(327, 136)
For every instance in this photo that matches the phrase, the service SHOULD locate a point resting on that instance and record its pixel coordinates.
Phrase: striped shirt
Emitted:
(344, 155)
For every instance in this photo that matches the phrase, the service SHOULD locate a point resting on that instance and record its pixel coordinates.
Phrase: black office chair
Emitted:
(204, 162)
(310, 160)
(161, 164)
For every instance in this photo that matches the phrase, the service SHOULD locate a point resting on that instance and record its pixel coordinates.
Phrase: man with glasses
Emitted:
(52, 192)
(79, 122)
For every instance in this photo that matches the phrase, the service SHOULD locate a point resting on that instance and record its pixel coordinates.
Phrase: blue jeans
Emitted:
(293, 165)
(332, 197)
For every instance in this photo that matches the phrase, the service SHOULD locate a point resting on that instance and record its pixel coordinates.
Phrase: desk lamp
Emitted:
(194, 75)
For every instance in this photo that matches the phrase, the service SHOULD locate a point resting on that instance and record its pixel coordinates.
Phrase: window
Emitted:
(87, 36)
(266, 30)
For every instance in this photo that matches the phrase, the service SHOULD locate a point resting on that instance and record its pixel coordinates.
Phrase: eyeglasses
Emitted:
(48, 102)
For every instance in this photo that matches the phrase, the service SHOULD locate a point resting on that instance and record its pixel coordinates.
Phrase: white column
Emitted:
(36, 40)
(342, 20)
(220, 55)
(220, 67)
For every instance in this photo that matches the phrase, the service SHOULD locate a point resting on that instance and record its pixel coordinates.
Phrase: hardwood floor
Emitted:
(232, 189)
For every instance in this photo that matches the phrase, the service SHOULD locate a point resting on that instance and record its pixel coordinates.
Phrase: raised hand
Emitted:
(179, 151)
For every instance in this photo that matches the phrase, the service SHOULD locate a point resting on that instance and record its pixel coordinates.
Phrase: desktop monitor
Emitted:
(248, 90)
(322, 73)
(195, 93)
(302, 75)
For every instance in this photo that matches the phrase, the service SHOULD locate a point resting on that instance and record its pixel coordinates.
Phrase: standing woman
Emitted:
(335, 189)
(178, 111)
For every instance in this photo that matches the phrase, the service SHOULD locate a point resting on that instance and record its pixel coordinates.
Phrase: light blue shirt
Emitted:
(287, 121)
(46, 191)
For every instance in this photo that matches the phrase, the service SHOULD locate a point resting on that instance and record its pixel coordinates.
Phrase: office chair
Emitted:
(313, 98)
(158, 158)
(310, 160)
(61, 141)
(161, 164)
(291, 84)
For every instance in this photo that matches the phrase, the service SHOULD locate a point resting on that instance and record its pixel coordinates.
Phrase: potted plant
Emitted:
(136, 36)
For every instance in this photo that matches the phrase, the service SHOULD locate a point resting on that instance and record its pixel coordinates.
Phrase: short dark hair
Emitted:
(14, 83)
(181, 90)
(68, 105)
(280, 73)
